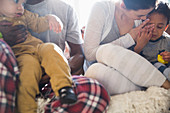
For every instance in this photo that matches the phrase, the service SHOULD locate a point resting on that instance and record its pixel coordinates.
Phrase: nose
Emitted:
(155, 29)
(20, 7)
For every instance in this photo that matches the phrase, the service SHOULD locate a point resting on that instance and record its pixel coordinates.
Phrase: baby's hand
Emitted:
(166, 56)
(55, 23)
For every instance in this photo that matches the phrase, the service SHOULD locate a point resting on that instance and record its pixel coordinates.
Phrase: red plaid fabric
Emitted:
(8, 74)
(92, 98)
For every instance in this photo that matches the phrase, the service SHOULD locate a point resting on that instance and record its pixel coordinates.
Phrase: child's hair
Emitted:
(162, 8)
(139, 4)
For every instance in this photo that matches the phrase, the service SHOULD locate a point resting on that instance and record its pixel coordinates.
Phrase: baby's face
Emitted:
(160, 22)
(12, 8)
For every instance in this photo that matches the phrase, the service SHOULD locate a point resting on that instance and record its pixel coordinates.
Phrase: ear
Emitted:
(122, 5)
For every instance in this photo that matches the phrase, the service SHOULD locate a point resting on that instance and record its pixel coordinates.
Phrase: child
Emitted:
(159, 43)
(35, 57)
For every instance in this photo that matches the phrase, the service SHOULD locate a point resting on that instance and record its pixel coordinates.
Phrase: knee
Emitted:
(94, 70)
(48, 47)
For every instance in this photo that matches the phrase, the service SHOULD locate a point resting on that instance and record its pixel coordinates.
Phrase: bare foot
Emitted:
(166, 85)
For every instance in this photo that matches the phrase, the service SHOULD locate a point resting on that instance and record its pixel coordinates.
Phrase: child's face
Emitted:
(12, 8)
(160, 22)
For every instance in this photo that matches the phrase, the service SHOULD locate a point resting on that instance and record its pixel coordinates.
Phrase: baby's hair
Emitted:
(162, 8)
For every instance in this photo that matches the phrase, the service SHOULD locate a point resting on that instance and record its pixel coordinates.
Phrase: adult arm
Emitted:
(74, 40)
(76, 59)
(95, 29)
(13, 34)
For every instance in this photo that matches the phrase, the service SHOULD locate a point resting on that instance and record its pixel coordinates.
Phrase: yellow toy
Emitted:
(159, 58)
(0, 35)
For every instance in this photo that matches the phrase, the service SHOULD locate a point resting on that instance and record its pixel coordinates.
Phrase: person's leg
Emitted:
(112, 80)
(164, 69)
(28, 86)
(9, 74)
(131, 65)
(92, 98)
(56, 66)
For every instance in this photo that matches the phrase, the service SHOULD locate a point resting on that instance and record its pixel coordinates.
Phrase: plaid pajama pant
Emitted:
(92, 98)
(8, 77)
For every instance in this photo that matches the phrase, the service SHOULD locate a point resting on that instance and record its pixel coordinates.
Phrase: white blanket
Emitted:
(154, 100)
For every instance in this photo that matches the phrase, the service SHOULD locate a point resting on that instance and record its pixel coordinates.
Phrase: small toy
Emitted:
(0, 35)
(159, 58)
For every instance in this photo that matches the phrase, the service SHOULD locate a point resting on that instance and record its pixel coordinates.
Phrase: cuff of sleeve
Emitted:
(128, 41)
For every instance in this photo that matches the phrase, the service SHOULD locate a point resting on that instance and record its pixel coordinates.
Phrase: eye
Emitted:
(23, 4)
(159, 27)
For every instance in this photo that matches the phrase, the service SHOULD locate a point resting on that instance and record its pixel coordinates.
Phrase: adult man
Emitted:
(70, 33)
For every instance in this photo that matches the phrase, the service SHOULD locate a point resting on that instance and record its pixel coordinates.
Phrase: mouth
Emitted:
(18, 14)
(154, 35)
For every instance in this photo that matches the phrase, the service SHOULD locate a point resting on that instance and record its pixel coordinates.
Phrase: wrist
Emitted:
(138, 48)
(133, 36)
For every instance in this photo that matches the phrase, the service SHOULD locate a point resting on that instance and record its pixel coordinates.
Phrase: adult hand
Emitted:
(44, 80)
(142, 39)
(76, 59)
(136, 31)
(13, 34)
(75, 63)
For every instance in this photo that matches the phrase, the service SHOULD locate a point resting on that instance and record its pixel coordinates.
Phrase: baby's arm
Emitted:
(40, 24)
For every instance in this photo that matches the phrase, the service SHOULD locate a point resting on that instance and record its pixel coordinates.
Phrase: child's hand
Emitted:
(142, 39)
(166, 56)
(55, 23)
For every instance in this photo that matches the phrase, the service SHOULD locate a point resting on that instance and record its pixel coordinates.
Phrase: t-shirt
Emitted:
(71, 31)
(153, 48)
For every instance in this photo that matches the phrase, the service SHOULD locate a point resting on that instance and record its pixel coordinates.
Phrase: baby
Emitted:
(35, 57)
(157, 50)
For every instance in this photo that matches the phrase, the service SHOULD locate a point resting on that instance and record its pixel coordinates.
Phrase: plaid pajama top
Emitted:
(8, 77)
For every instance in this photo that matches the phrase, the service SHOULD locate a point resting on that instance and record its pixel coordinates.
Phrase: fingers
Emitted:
(55, 26)
(21, 37)
(18, 28)
(143, 24)
(150, 32)
(146, 33)
(143, 32)
(5, 23)
(165, 55)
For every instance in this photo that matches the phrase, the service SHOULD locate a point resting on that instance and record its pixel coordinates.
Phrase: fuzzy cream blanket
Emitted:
(154, 100)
